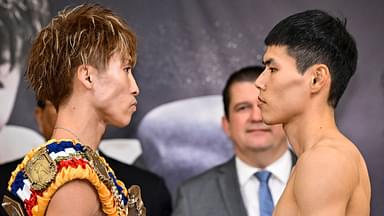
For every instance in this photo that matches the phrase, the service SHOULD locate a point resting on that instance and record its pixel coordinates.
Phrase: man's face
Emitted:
(9, 82)
(245, 126)
(115, 92)
(283, 90)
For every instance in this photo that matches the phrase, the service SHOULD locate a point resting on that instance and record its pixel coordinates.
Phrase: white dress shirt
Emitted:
(249, 185)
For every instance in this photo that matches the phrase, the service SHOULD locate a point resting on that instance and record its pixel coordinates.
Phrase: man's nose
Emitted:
(134, 87)
(256, 114)
(260, 81)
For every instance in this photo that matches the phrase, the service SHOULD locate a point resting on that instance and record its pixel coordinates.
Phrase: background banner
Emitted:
(187, 49)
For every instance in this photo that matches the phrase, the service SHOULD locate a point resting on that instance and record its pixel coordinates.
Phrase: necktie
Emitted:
(265, 197)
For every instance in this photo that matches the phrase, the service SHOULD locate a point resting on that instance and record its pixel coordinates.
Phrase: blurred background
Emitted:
(186, 51)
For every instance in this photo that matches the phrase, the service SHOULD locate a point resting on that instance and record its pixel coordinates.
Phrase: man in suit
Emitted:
(252, 181)
(154, 192)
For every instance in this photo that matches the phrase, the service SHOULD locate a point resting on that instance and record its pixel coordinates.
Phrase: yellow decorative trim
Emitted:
(69, 174)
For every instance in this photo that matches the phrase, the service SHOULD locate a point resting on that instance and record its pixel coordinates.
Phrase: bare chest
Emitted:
(286, 206)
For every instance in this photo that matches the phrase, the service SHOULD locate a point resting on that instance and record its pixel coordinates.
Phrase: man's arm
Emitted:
(324, 182)
(75, 198)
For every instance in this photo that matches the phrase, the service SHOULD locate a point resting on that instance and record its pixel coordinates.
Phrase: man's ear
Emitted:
(225, 125)
(319, 77)
(85, 74)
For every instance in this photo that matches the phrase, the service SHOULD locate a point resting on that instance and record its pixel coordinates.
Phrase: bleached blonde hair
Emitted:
(86, 34)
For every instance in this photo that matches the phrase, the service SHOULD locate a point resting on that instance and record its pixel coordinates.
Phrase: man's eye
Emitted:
(241, 108)
(272, 70)
(127, 69)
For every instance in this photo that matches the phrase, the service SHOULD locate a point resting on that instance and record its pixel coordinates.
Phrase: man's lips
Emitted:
(260, 101)
(133, 106)
(134, 103)
(251, 130)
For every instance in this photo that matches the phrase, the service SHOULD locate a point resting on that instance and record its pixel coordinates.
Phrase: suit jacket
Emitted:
(215, 192)
(154, 192)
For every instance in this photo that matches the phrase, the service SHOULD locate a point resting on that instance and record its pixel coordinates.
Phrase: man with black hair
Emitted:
(310, 58)
(252, 181)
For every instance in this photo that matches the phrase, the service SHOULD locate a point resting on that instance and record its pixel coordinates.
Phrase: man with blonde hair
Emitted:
(82, 62)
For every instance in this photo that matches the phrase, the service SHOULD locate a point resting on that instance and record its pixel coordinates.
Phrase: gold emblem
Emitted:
(12, 207)
(99, 166)
(40, 170)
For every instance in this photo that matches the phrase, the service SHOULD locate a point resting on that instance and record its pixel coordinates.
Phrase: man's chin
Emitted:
(122, 122)
(270, 120)
(263, 148)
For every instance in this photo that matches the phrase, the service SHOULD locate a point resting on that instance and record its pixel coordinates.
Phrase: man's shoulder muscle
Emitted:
(324, 179)
(75, 198)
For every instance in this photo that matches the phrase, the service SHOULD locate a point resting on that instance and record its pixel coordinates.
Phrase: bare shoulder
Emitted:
(328, 160)
(333, 153)
(324, 160)
(326, 176)
(75, 198)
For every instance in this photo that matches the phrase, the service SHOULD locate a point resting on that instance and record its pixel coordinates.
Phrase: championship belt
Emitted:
(46, 168)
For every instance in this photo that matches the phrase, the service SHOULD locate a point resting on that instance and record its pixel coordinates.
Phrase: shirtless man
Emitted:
(309, 59)
(82, 62)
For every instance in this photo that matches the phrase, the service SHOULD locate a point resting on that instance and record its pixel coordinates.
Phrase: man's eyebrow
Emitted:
(241, 103)
(126, 62)
(268, 62)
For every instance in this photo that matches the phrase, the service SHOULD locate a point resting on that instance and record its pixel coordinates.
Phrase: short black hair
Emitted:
(315, 37)
(246, 74)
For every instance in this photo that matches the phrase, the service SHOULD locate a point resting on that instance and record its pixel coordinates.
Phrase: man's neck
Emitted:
(306, 130)
(82, 122)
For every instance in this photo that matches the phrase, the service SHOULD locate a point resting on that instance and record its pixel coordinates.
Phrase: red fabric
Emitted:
(73, 162)
(29, 204)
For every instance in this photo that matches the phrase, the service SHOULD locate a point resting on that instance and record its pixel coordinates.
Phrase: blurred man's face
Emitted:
(245, 126)
(9, 82)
